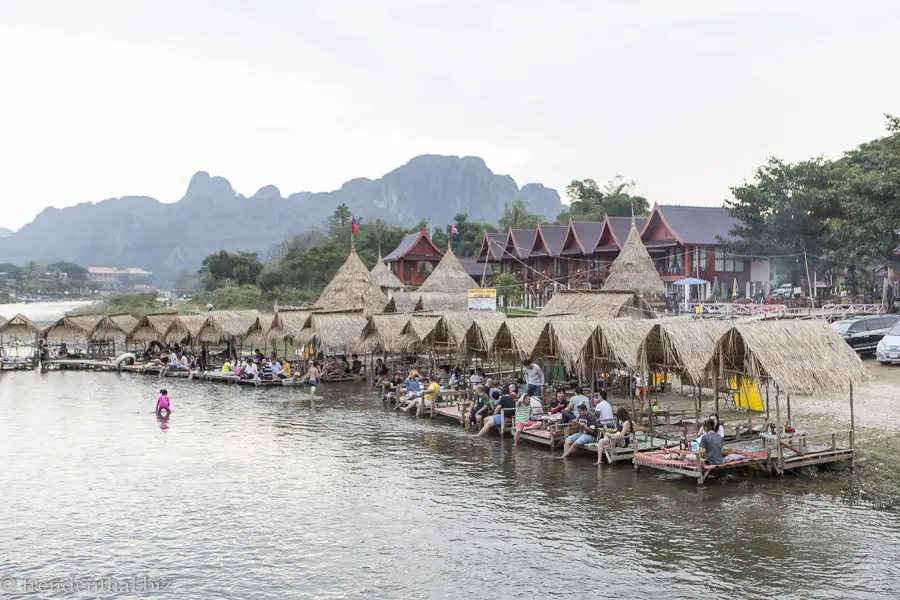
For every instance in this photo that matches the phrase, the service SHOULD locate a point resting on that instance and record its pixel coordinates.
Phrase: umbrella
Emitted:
(715, 289)
(690, 281)
(734, 288)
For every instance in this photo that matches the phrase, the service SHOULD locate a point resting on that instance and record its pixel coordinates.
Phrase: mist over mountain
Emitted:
(167, 239)
(4, 232)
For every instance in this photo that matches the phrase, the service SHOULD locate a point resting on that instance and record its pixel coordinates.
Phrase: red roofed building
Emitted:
(415, 258)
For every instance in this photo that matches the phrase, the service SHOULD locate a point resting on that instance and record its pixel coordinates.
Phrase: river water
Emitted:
(254, 493)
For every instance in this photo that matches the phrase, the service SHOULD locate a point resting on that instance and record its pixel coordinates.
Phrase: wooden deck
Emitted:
(80, 364)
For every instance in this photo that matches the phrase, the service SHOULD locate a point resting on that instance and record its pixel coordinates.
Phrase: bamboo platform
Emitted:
(80, 364)
(16, 365)
(227, 378)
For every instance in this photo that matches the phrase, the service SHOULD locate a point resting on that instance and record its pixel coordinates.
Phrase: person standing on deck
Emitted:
(534, 378)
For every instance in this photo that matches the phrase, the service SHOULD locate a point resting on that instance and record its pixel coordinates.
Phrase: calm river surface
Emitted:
(252, 493)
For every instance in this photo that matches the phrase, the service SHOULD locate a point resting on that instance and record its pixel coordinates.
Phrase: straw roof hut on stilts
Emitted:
(152, 328)
(446, 289)
(382, 333)
(596, 305)
(72, 329)
(184, 329)
(19, 328)
(226, 326)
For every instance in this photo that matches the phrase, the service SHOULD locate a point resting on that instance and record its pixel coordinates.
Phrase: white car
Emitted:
(888, 350)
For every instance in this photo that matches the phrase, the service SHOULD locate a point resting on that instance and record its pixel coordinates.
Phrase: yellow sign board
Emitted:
(482, 299)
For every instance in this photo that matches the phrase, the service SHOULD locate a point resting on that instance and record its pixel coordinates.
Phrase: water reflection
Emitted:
(261, 492)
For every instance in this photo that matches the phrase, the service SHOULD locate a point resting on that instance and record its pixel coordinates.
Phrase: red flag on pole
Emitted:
(354, 226)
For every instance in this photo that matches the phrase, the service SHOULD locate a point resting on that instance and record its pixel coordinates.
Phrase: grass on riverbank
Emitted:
(137, 305)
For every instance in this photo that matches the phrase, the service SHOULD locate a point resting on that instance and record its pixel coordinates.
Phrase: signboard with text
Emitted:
(483, 299)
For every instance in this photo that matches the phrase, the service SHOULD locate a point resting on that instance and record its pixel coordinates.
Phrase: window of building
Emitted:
(726, 263)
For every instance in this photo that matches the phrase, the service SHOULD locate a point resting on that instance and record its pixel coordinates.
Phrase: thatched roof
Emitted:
(226, 325)
(448, 276)
(470, 331)
(113, 328)
(287, 324)
(352, 288)
(685, 346)
(152, 327)
(383, 333)
(2, 321)
(336, 330)
(383, 277)
(595, 305)
(72, 328)
(633, 270)
(259, 331)
(402, 302)
(619, 340)
(519, 335)
(443, 301)
(571, 340)
(19, 327)
(421, 326)
(184, 329)
(801, 357)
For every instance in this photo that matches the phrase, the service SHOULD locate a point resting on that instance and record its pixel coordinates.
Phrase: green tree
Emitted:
(516, 216)
(787, 209)
(589, 202)
(508, 287)
(241, 268)
(865, 184)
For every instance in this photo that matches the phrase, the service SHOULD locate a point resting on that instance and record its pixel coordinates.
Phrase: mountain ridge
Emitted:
(168, 238)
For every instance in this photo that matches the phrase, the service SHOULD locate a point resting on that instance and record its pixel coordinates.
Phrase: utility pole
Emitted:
(810, 284)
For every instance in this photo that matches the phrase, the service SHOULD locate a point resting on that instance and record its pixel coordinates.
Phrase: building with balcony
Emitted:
(413, 260)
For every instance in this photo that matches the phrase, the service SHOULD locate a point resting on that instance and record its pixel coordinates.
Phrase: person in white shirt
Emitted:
(534, 378)
(476, 379)
(605, 412)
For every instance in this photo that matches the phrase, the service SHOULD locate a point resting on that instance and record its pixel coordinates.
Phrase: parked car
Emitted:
(785, 290)
(864, 333)
(888, 350)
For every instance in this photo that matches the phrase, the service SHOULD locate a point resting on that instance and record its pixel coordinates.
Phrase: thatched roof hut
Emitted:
(72, 329)
(519, 335)
(619, 341)
(448, 276)
(287, 324)
(682, 346)
(633, 270)
(113, 328)
(417, 301)
(226, 325)
(384, 278)
(153, 327)
(352, 288)
(184, 329)
(596, 305)
(800, 357)
(19, 327)
(571, 340)
(2, 321)
(336, 330)
(470, 332)
(422, 328)
(259, 331)
(383, 333)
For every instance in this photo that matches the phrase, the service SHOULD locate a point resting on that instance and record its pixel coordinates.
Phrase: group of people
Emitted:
(257, 367)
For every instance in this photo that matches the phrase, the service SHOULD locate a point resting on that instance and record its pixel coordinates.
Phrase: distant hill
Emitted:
(4, 232)
(142, 232)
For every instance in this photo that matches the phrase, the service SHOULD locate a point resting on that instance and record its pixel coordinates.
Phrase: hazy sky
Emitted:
(103, 98)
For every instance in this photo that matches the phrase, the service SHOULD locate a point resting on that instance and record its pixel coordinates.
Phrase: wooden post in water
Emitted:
(778, 448)
(852, 426)
(768, 418)
(789, 408)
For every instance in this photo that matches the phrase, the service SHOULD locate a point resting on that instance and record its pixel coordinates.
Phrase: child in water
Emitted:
(162, 404)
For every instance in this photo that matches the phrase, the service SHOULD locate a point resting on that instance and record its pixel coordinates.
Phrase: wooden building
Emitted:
(415, 258)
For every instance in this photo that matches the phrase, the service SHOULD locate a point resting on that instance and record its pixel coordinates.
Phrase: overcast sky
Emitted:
(104, 98)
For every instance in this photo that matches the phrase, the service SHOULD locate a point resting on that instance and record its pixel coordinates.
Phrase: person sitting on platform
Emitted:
(249, 370)
(278, 369)
(710, 446)
(258, 356)
(587, 430)
(380, 368)
(63, 351)
(344, 365)
(333, 368)
(502, 406)
(355, 365)
(227, 367)
(559, 402)
(479, 408)
(578, 401)
(194, 368)
(476, 378)
(622, 436)
(524, 411)
(605, 411)
(265, 370)
(718, 427)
